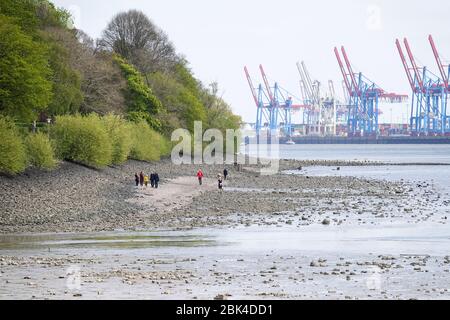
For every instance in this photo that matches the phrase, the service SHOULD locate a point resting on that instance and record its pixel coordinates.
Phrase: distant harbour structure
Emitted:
(362, 112)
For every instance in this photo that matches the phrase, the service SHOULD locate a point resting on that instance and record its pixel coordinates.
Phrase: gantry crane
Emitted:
(320, 117)
(274, 106)
(430, 92)
(364, 97)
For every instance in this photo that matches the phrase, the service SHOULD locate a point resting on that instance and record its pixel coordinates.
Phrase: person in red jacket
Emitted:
(200, 176)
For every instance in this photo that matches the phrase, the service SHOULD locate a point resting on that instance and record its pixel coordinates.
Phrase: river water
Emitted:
(242, 253)
(395, 153)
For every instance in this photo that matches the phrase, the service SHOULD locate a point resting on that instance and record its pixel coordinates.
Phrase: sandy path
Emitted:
(173, 194)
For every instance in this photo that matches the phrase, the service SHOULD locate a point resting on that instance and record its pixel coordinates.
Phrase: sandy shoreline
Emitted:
(174, 194)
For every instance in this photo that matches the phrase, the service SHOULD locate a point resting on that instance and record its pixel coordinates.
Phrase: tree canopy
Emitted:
(48, 69)
(25, 86)
(133, 36)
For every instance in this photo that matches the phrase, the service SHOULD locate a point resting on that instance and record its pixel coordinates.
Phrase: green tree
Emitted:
(219, 113)
(31, 15)
(23, 12)
(24, 72)
(179, 102)
(67, 94)
(141, 102)
(184, 76)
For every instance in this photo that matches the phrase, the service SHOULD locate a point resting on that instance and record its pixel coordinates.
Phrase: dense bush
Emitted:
(12, 150)
(100, 141)
(147, 145)
(120, 137)
(165, 147)
(40, 151)
(82, 139)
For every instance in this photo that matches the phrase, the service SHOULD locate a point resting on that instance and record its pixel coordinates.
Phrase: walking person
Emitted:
(146, 180)
(152, 180)
(225, 174)
(156, 177)
(220, 182)
(200, 176)
(136, 179)
(141, 179)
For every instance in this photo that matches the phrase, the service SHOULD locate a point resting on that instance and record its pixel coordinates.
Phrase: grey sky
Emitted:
(220, 37)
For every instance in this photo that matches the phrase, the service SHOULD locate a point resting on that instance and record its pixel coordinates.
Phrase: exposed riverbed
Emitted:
(360, 232)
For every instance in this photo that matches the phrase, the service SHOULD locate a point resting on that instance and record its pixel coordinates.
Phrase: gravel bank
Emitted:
(74, 198)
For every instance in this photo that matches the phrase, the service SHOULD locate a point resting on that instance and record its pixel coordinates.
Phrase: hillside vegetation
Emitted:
(96, 102)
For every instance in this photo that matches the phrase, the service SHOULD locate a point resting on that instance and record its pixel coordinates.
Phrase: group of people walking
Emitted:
(220, 178)
(143, 180)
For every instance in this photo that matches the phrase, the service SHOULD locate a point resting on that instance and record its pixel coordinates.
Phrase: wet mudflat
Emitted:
(364, 232)
(335, 262)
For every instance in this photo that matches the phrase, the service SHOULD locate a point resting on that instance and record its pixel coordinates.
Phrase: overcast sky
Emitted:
(219, 37)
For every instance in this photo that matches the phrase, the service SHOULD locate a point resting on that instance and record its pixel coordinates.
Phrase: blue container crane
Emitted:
(364, 97)
(274, 106)
(429, 100)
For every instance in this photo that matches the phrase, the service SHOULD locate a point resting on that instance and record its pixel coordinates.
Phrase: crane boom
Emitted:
(350, 70)
(414, 65)
(252, 88)
(344, 74)
(405, 65)
(438, 61)
(314, 96)
(266, 83)
(306, 86)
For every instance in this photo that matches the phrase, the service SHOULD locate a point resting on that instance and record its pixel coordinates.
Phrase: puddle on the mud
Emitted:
(117, 240)
(387, 238)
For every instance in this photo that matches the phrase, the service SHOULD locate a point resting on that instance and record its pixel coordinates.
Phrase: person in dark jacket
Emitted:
(156, 177)
(152, 180)
(141, 179)
(225, 174)
(220, 182)
(136, 179)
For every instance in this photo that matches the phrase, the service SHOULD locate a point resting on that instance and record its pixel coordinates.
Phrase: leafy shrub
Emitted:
(40, 151)
(165, 147)
(82, 139)
(147, 145)
(120, 137)
(12, 150)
